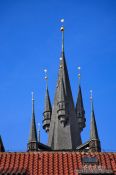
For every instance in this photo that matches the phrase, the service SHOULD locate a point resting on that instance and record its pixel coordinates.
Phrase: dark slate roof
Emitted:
(83, 146)
(56, 163)
(61, 92)
(59, 137)
(93, 129)
(43, 147)
(64, 137)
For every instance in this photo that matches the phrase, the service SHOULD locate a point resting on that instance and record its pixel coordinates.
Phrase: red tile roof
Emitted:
(55, 163)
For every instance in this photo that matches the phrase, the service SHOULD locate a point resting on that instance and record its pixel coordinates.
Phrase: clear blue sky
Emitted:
(30, 40)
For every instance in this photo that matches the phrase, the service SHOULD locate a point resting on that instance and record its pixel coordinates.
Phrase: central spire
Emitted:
(64, 127)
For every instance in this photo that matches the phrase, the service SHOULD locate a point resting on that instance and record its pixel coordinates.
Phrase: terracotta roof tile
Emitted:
(53, 163)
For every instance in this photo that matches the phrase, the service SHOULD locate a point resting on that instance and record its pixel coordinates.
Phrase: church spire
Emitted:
(63, 136)
(48, 108)
(33, 144)
(94, 138)
(79, 106)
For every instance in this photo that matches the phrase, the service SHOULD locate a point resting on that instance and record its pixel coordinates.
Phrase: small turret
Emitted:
(80, 107)
(47, 112)
(48, 109)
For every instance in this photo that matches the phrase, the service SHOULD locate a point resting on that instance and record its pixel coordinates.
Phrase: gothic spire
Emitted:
(47, 108)
(32, 145)
(80, 110)
(94, 138)
(63, 71)
(80, 107)
(47, 111)
(93, 130)
(79, 104)
(63, 136)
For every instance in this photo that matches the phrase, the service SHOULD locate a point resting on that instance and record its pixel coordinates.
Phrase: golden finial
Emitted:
(79, 74)
(91, 100)
(62, 30)
(32, 96)
(62, 27)
(91, 95)
(46, 76)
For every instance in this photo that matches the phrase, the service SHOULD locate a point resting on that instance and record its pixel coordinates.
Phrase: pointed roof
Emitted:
(1, 145)
(59, 137)
(79, 104)
(93, 129)
(47, 101)
(63, 71)
(33, 131)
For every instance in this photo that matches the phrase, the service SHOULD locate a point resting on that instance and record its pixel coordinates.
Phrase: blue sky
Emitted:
(30, 40)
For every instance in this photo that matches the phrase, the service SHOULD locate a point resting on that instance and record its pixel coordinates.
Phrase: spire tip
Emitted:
(62, 28)
(62, 20)
(46, 77)
(91, 95)
(32, 95)
(79, 74)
